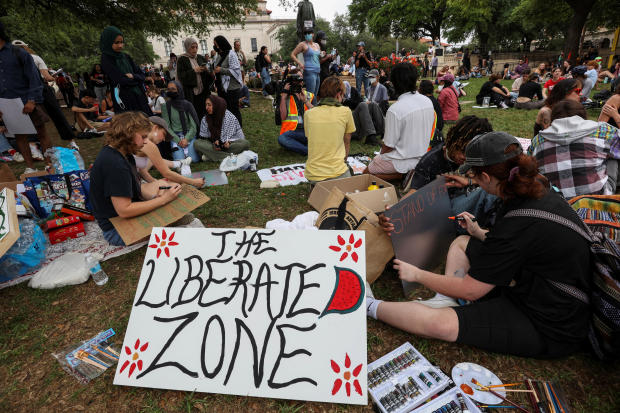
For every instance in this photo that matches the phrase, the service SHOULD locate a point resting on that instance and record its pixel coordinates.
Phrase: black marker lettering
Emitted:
(257, 286)
(240, 281)
(203, 363)
(223, 235)
(283, 355)
(210, 280)
(150, 262)
(302, 287)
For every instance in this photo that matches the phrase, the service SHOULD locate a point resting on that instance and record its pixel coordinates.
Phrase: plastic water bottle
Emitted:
(96, 272)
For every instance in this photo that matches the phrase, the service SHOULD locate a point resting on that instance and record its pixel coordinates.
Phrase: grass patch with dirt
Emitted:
(35, 323)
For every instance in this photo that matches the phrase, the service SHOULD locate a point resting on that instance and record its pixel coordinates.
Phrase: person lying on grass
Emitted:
(506, 272)
(150, 156)
(114, 186)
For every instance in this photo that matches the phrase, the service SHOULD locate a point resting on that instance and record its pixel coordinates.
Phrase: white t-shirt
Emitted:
(409, 125)
(38, 62)
(155, 104)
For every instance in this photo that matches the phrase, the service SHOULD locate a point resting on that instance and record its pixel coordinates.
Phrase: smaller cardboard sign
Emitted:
(9, 225)
(138, 228)
(374, 200)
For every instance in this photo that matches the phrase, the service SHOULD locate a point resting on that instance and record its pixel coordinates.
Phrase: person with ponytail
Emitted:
(506, 272)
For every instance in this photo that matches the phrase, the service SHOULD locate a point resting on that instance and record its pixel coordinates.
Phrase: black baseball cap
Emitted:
(488, 149)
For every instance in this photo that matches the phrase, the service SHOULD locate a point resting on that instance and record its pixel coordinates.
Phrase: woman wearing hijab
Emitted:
(220, 132)
(182, 122)
(126, 79)
(193, 73)
(228, 69)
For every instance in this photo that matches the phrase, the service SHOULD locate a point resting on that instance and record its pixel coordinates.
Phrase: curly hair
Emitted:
(404, 77)
(464, 131)
(122, 129)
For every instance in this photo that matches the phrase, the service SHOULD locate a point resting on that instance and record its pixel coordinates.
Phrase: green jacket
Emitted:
(175, 126)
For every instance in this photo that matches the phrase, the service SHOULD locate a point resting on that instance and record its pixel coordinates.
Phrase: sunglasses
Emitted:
(577, 90)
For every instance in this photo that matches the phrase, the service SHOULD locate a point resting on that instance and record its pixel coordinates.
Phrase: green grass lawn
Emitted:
(36, 323)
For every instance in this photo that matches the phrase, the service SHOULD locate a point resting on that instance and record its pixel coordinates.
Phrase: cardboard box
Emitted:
(136, 229)
(61, 222)
(64, 233)
(374, 200)
(9, 226)
(7, 178)
(23, 177)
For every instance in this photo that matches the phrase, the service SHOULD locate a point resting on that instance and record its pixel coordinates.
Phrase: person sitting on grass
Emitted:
(577, 155)
(114, 186)
(449, 99)
(529, 90)
(611, 109)
(220, 132)
(493, 89)
(150, 156)
(426, 88)
(409, 126)
(549, 84)
(328, 127)
(182, 121)
(579, 73)
(292, 108)
(87, 114)
(507, 271)
(564, 89)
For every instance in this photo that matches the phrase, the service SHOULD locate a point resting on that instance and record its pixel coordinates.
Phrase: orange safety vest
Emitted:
(290, 123)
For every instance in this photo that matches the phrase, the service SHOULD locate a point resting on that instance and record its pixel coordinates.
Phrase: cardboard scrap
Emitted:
(9, 225)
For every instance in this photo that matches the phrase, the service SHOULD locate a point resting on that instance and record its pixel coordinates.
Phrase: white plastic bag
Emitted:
(69, 269)
(240, 161)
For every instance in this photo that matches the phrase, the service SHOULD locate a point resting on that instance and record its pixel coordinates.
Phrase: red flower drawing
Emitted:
(347, 375)
(134, 357)
(347, 248)
(163, 243)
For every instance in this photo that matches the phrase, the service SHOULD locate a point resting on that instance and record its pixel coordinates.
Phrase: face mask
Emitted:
(308, 37)
(172, 95)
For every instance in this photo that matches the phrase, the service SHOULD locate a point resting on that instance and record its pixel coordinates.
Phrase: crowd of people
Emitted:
(495, 292)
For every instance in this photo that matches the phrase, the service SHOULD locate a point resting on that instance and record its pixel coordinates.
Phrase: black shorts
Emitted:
(498, 325)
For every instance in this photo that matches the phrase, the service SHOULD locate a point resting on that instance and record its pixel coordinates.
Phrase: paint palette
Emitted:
(462, 374)
(447, 398)
(403, 379)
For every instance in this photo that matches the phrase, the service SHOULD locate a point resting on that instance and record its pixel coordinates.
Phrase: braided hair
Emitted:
(464, 131)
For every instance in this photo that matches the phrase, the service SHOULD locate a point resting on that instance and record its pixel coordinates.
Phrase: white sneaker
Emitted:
(439, 301)
(186, 171)
(204, 158)
(186, 161)
(30, 170)
(464, 84)
(36, 153)
(73, 145)
(503, 105)
(17, 157)
(269, 97)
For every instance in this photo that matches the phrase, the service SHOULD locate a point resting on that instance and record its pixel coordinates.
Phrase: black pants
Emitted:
(50, 103)
(232, 103)
(198, 101)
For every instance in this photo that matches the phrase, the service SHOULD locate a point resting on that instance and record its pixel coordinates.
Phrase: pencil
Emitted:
(500, 396)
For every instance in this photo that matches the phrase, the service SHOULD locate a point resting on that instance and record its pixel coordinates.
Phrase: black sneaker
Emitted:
(372, 140)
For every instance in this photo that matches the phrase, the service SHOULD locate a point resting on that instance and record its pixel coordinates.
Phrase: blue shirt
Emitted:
(311, 60)
(19, 77)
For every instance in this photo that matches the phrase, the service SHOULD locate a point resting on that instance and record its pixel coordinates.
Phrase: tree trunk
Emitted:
(581, 10)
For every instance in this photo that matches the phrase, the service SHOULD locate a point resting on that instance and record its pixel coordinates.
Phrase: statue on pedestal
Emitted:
(305, 18)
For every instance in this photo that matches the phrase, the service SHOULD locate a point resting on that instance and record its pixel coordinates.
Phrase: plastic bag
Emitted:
(240, 161)
(64, 159)
(69, 269)
(45, 191)
(27, 254)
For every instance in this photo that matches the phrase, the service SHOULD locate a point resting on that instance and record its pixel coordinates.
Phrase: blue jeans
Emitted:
(4, 143)
(478, 203)
(113, 237)
(360, 78)
(294, 140)
(179, 154)
(312, 81)
(265, 79)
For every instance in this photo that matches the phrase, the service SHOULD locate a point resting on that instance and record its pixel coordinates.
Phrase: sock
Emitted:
(176, 164)
(371, 306)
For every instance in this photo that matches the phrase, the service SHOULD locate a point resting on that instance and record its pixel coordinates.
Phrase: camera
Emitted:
(295, 82)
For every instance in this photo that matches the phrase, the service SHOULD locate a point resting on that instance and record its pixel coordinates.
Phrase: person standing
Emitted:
(172, 66)
(193, 73)
(362, 65)
(426, 65)
(325, 59)
(19, 78)
(264, 64)
(467, 61)
(99, 82)
(126, 78)
(242, 59)
(228, 69)
(311, 66)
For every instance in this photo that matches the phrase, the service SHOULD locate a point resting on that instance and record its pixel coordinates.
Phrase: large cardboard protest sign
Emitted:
(293, 174)
(136, 229)
(268, 313)
(422, 231)
(9, 226)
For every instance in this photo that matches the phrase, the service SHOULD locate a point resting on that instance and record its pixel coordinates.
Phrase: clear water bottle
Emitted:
(96, 272)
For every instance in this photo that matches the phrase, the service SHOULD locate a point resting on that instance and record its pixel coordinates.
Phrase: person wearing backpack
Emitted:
(519, 275)
(449, 99)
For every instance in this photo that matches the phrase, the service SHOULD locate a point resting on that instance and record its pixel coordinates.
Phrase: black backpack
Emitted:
(604, 298)
(258, 64)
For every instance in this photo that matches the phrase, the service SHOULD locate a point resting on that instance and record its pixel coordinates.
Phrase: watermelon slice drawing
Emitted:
(348, 293)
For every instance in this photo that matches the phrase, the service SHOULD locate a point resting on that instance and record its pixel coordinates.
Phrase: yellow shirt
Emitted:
(325, 127)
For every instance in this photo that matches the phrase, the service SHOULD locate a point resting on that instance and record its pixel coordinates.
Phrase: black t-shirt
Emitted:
(362, 62)
(92, 116)
(531, 251)
(531, 89)
(112, 175)
(433, 163)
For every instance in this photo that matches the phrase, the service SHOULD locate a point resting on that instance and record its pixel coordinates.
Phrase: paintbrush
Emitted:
(493, 392)
(89, 358)
(534, 401)
(512, 390)
(105, 352)
(492, 386)
(556, 398)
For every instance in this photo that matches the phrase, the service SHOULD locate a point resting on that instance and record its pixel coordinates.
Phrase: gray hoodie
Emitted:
(568, 130)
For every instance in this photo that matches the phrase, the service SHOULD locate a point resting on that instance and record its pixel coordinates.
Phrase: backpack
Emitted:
(604, 298)
(257, 63)
(457, 97)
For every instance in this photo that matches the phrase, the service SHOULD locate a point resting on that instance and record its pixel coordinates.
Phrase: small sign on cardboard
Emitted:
(9, 225)
(138, 228)
(374, 200)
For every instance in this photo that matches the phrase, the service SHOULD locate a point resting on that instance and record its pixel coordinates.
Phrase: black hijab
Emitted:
(216, 120)
(224, 48)
(184, 107)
